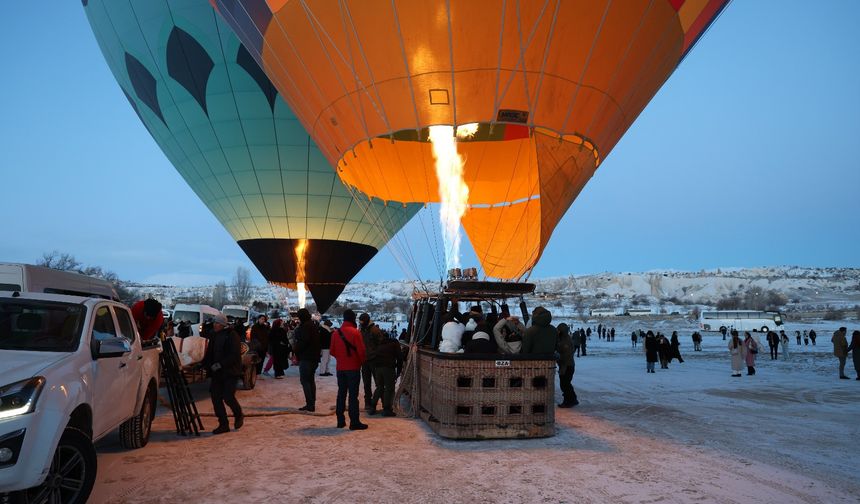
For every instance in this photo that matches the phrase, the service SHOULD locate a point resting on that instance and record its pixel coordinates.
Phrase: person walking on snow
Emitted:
(840, 349)
(854, 348)
(737, 352)
(676, 348)
(784, 345)
(566, 367)
(347, 348)
(751, 347)
(650, 346)
(773, 344)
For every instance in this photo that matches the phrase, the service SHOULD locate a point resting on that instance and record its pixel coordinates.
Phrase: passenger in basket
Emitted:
(508, 333)
(452, 334)
(480, 343)
(566, 367)
(541, 337)
(223, 363)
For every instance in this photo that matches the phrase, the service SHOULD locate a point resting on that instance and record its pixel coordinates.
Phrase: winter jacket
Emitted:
(385, 353)
(509, 336)
(749, 355)
(840, 344)
(738, 353)
(225, 350)
(348, 358)
(772, 338)
(480, 344)
(148, 328)
(564, 347)
(260, 338)
(307, 346)
(650, 349)
(325, 337)
(372, 335)
(280, 346)
(452, 335)
(541, 337)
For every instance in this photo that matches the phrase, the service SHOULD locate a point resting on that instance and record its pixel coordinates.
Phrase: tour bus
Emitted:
(741, 320)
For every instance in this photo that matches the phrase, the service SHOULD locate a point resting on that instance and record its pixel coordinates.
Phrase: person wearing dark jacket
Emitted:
(223, 364)
(664, 351)
(541, 337)
(307, 350)
(347, 347)
(280, 345)
(566, 367)
(260, 340)
(676, 348)
(481, 343)
(650, 351)
(325, 345)
(384, 360)
(773, 344)
(854, 348)
(370, 333)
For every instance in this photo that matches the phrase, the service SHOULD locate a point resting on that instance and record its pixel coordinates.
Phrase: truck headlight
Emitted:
(20, 398)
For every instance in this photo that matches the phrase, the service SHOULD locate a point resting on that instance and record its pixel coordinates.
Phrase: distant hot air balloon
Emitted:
(537, 92)
(224, 127)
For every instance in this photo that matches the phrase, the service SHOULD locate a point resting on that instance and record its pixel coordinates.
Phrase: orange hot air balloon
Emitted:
(547, 88)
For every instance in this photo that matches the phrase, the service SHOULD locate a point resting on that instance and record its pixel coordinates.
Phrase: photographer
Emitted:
(223, 363)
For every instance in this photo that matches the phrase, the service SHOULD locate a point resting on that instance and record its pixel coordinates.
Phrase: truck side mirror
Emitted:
(112, 347)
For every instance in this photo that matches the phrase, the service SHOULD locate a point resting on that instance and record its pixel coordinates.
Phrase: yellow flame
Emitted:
(467, 130)
(453, 191)
(301, 248)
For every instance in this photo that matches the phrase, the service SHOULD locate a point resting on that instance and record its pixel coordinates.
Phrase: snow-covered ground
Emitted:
(690, 433)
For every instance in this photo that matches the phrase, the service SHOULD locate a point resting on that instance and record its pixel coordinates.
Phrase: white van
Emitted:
(29, 278)
(196, 314)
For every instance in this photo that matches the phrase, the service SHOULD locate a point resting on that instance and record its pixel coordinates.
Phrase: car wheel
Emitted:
(764, 329)
(134, 432)
(72, 474)
(249, 377)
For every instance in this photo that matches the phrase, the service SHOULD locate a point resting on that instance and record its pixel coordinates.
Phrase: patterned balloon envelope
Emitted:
(237, 144)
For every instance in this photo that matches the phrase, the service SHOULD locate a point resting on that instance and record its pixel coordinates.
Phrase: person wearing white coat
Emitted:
(783, 346)
(738, 353)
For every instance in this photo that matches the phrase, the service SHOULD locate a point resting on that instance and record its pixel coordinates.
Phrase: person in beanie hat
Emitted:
(566, 367)
(347, 347)
(223, 364)
(307, 350)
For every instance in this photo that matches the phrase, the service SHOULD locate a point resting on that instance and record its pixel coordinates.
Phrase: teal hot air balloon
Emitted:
(238, 145)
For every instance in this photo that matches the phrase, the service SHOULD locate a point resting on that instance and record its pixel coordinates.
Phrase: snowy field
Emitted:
(690, 433)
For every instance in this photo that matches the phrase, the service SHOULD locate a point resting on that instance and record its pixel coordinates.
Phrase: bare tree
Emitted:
(695, 313)
(59, 261)
(241, 288)
(581, 309)
(219, 294)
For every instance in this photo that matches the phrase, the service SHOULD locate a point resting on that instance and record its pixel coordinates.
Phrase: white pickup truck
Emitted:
(72, 369)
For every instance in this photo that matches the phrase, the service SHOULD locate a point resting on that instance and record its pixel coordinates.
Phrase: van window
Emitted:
(188, 316)
(103, 326)
(125, 326)
(10, 287)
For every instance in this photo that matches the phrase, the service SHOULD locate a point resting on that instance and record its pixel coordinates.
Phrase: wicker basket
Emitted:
(487, 396)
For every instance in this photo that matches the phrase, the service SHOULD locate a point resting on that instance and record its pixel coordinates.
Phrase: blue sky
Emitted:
(748, 156)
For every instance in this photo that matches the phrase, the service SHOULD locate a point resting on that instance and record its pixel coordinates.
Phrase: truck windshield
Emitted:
(40, 325)
(235, 313)
(188, 316)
